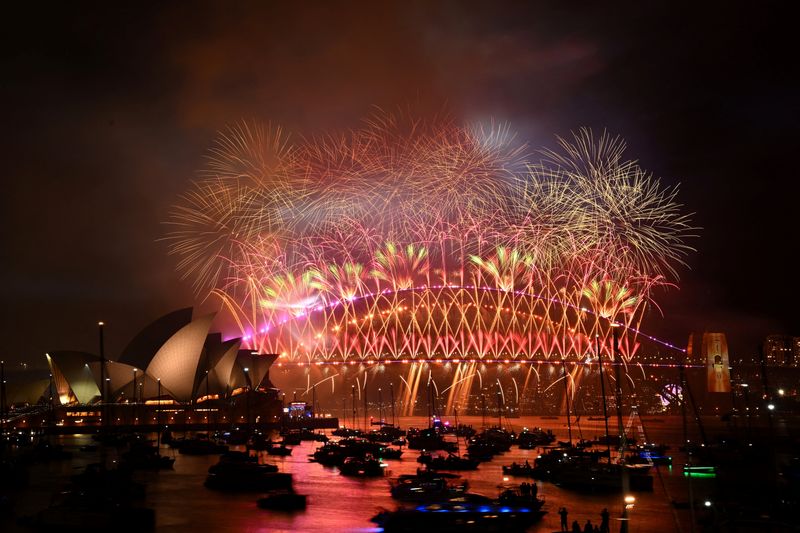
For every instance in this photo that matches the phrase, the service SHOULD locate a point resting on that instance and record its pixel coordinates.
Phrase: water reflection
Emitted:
(340, 503)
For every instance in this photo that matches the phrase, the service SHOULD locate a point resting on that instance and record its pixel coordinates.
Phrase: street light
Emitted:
(629, 501)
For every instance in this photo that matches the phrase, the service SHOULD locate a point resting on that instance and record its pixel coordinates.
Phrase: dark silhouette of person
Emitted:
(563, 513)
(576, 527)
(604, 527)
(588, 527)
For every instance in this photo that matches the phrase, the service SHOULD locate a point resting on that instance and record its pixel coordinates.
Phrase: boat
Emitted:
(253, 477)
(44, 452)
(258, 442)
(699, 470)
(598, 477)
(236, 456)
(427, 486)
(523, 495)
(13, 473)
(292, 439)
(279, 449)
(549, 462)
(199, 446)
(489, 443)
(235, 437)
(646, 456)
(428, 439)
(146, 458)
(334, 453)
(519, 470)
(283, 500)
(346, 432)
(240, 467)
(81, 511)
(114, 483)
(305, 434)
(613, 440)
(529, 439)
(364, 467)
(386, 434)
(452, 462)
(458, 517)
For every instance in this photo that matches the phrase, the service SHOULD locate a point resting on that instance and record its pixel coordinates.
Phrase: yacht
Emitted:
(459, 517)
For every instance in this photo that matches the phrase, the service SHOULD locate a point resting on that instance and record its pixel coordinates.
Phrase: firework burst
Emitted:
(409, 237)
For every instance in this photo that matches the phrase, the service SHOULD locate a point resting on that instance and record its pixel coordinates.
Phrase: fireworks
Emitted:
(418, 239)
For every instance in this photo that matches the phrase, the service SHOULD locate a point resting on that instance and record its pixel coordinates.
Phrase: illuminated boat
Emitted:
(386, 434)
(334, 453)
(458, 517)
(643, 456)
(428, 439)
(528, 439)
(346, 432)
(427, 487)
(699, 470)
(453, 462)
(366, 467)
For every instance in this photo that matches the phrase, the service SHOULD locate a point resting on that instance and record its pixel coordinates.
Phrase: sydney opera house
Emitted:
(173, 364)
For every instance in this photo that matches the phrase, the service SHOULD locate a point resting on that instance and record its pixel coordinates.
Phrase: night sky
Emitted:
(108, 113)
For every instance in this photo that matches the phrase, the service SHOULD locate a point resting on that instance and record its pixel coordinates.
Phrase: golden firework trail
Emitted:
(412, 240)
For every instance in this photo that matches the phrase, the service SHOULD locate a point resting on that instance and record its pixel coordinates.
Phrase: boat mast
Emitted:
(686, 443)
(366, 424)
(380, 407)
(483, 409)
(430, 415)
(603, 393)
(566, 399)
(617, 374)
(103, 402)
(2, 400)
(391, 391)
(618, 379)
(499, 407)
(51, 405)
(354, 406)
(458, 443)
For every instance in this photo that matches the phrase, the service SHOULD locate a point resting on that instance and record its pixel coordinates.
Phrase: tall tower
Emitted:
(715, 354)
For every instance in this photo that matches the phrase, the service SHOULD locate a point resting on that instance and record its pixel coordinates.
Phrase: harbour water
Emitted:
(340, 503)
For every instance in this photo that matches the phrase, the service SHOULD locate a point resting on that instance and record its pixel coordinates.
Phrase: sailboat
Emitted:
(582, 470)
(453, 460)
